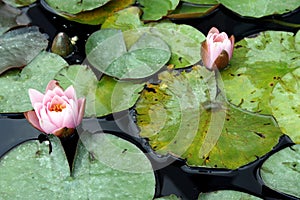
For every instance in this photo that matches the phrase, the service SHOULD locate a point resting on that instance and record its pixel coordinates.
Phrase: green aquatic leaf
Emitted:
(257, 65)
(14, 85)
(102, 97)
(156, 9)
(184, 42)
(171, 197)
(228, 195)
(19, 3)
(11, 17)
(75, 6)
(185, 11)
(285, 104)
(107, 51)
(98, 15)
(260, 8)
(281, 171)
(182, 116)
(20, 46)
(30, 172)
(83, 80)
(201, 1)
(126, 19)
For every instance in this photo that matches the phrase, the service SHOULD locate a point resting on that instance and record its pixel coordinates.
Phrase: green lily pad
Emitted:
(183, 40)
(19, 3)
(184, 10)
(285, 104)
(99, 15)
(183, 117)
(14, 85)
(257, 65)
(281, 171)
(18, 49)
(156, 9)
(30, 172)
(260, 8)
(106, 50)
(11, 17)
(75, 6)
(102, 97)
(228, 195)
(171, 197)
(126, 19)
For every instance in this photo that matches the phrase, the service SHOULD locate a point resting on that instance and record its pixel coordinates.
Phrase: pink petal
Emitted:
(228, 47)
(51, 85)
(59, 91)
(33, 120)
(221, 37)
(69, 120)
(81, 106)
(47, 126)
(213, 30)
(70, 93)
(232, 46)
(35, 96)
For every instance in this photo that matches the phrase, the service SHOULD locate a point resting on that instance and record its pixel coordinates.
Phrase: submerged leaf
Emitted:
(256, 66)
(184, 11)
(182, 116)
(285, 104)
(37, 74)
(250, 8)
(228, 195)
(281, 171)
(107, 51)
(20, 46)
(75, 6)
(30, 172)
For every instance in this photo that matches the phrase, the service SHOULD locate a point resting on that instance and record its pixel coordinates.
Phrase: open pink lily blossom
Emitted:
(217, 49)
(57, 111)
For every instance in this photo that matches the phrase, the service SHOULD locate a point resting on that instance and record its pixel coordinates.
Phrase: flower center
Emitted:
(57, 107)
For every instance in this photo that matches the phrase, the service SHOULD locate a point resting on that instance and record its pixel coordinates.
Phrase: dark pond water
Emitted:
(175, 177)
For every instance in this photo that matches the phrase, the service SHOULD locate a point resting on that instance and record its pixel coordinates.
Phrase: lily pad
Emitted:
(171, 197)
(19, 3)
(30, 172)
(156, 9)
(98, 15)
(183, 40)
(257, 65)
(106, 50)
(250, 8)
(11, 17)
(102, 97)
(281, 171)
(201, 1)
(184, 116)
(228, 195)
(126, 19)
(75, 6)
(20, 46)
(14, 85)
(285, 104)
(184, 10)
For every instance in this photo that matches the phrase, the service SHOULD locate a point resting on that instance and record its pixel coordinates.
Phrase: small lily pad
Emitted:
(20, 46)
(156, 9)
(19, 3)
(75, 6)
(281, 171)
(184, 116)
(285, 104)
(228, 195)
(106, 50)
(257, 65)
(14, 85)
(30, 172)
(260, 8)
(102, 97)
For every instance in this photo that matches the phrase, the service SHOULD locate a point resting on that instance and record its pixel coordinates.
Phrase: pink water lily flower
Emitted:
(217, 49)
(57, 111)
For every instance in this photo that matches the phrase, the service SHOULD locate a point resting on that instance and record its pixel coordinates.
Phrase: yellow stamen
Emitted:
(57, 107)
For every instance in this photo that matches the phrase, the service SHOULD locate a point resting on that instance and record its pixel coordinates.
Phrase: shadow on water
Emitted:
(176, 177)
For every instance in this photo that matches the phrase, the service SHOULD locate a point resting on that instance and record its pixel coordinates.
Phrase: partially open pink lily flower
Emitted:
(57, 111)
(217, 49)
